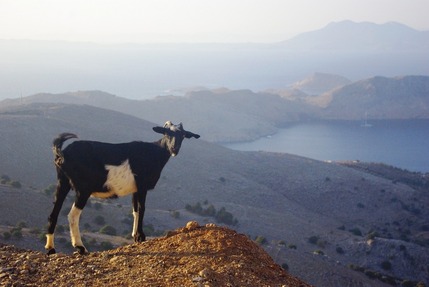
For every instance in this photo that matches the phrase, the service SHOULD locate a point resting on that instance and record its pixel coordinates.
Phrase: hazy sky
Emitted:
(140, 21)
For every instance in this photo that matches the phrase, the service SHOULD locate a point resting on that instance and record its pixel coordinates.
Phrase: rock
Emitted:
(191, 225)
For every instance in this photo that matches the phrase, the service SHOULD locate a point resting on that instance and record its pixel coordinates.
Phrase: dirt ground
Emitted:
(189, 256)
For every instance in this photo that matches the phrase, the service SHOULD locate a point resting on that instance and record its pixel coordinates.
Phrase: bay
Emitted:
(400, 143)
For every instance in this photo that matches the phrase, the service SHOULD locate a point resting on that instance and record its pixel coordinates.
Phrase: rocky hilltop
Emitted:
(188, 256)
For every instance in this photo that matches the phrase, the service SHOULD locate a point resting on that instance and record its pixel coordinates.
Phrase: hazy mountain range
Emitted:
(353, 50)
(240, 115)
(357, 37)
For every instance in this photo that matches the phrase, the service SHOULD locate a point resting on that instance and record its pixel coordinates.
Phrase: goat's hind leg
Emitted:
(63, 188)
(139, 199)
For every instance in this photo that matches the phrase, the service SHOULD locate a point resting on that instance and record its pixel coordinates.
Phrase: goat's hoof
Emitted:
(51, 251)
(80, 250)
(139, 237)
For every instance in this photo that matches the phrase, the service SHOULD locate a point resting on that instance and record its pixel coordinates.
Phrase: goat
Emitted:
(106, 170)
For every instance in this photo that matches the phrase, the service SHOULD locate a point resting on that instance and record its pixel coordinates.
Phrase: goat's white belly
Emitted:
(120, 181)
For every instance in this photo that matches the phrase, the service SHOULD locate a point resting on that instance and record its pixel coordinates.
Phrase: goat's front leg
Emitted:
(73, 218)
(139, 201)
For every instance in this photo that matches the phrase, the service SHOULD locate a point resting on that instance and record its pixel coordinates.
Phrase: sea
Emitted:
(400, 143)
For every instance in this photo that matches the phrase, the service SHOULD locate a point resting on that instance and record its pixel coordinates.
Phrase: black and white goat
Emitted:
(108, 170)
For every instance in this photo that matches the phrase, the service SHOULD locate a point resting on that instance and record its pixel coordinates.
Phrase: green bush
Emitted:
(261, 240)
(6, 235)
(50, 189)
(17, 234)
(4, 179)
(313, 239)
(339, 250)
(223, 216)
(109, 230)
(99, 220)
(15, 184)
(386, 265)
(370, 274)
(149, 230)
(106, 245)
(356, 231)
(175, 214)
(285, 266)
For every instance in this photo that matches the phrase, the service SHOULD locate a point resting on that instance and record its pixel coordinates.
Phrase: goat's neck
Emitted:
(162, 143)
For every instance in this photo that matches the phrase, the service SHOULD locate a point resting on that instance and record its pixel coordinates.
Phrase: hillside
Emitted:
(189, 256)
(241, 115)
(254, 114)
(321, 219)
(380, 98)
(319, 83)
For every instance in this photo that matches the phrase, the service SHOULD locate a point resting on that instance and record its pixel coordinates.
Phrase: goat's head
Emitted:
(173, 136)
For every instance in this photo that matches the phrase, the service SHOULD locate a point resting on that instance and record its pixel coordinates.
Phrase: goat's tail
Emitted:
(58, 144)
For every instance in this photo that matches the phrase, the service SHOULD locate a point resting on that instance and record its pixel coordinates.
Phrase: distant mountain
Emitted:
(314, 215)
(242, 115)
(238, 115)
(318, 83)
(361, 37)
(380, 98)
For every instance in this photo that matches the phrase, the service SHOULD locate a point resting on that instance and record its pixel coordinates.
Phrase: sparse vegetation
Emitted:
(175, 214)
(106, 245)
(285, 266)
(50, 189)
(261, 240)
(6, 235)
(221, 216)
(99, 220)
(356, 231)
(339, 250)
(15, 184)
(313, 239)
(109, 230)
(5, 179)
(386, 265)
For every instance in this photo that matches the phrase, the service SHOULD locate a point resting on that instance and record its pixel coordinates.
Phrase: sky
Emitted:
(186, 21)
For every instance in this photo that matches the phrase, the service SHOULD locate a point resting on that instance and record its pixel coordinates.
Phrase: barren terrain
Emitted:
(188, 256)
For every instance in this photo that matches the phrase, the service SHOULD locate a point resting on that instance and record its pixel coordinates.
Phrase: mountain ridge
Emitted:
(258, 114)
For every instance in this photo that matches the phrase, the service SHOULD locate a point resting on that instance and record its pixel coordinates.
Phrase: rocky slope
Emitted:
(189, 256)
(315, 216)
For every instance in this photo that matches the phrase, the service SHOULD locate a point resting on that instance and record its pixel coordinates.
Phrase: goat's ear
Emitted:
(188, 135)
(159, 130)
